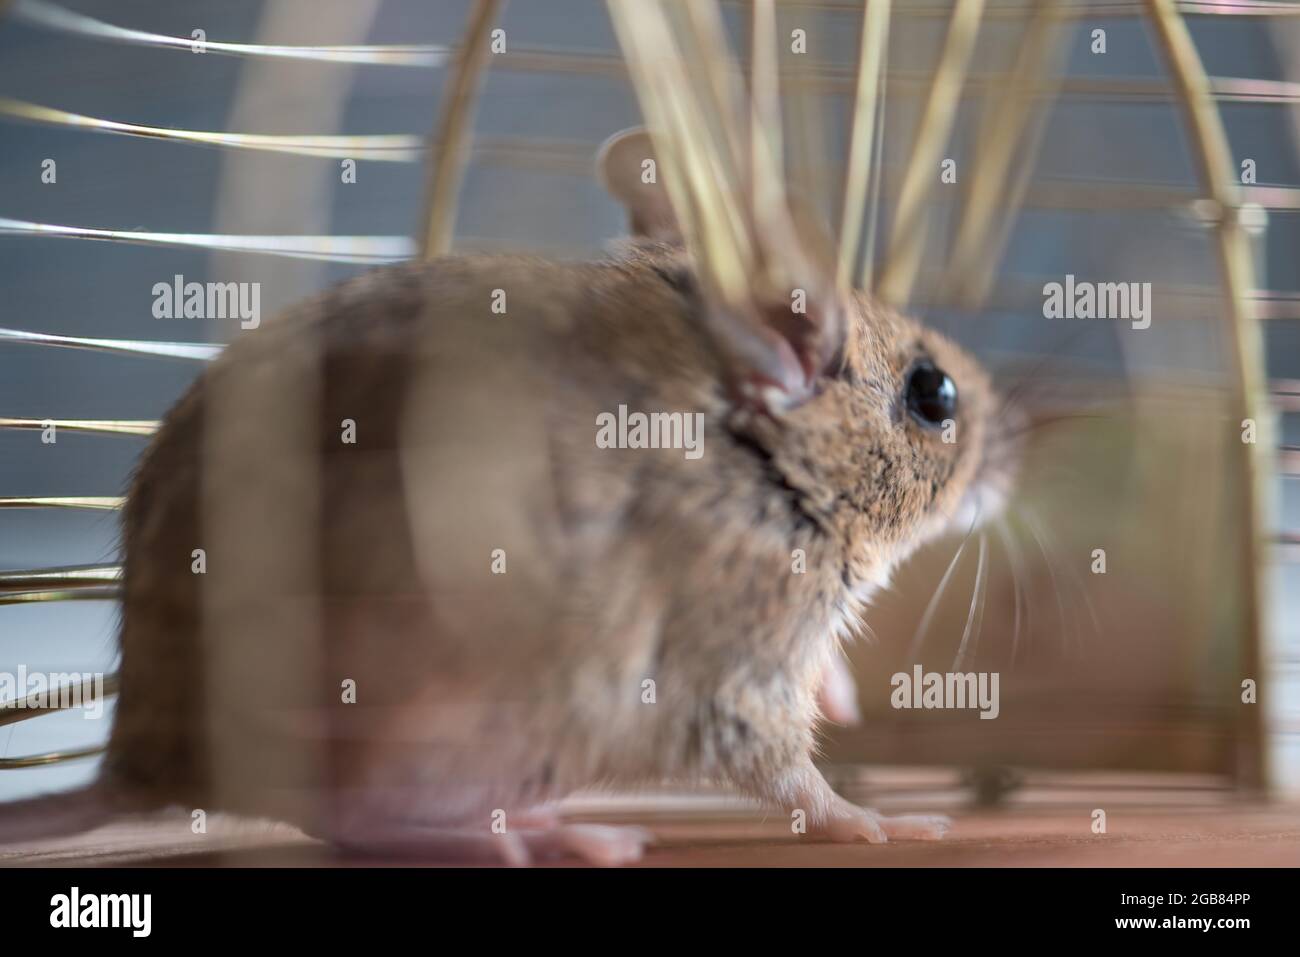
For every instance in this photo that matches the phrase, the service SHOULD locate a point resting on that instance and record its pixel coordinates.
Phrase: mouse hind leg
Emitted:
(437, 804)
(530, 839)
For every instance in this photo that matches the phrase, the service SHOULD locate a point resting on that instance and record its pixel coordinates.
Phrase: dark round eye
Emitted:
(931, 394)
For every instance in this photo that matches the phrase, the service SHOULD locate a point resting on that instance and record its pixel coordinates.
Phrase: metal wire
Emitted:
(363, 250)
(94, 502)
(49, 757)
(1253, 462)
(169, 350)
(102, 426)
(54, 17)
(452, 134)
(908, 237)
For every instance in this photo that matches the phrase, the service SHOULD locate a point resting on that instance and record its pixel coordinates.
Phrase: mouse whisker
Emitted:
(923, 626)
(1036, 535)
(1075, 578)
(1015, 563)
(1043, 422)
(975, 616)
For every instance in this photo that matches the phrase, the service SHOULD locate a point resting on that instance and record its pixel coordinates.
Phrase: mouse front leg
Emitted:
(763, 729)
(801, 787)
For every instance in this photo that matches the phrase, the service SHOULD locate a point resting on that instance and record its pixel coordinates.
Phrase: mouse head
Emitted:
(890, 433)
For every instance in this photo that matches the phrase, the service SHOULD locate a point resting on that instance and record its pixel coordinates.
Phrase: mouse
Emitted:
(523, 589)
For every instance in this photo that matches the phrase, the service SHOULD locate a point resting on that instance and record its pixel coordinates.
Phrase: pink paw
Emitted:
(849, 824)
(601, 845)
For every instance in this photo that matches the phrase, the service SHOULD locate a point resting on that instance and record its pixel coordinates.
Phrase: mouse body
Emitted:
(649, 616)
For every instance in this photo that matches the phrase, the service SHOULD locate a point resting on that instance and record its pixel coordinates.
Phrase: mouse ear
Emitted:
(782, 341)
(789, 330)
(630, 171)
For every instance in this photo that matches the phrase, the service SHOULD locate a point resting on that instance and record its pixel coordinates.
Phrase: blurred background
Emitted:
(1135, 674)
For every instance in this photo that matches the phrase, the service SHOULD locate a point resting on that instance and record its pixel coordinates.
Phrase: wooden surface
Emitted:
(722, 834)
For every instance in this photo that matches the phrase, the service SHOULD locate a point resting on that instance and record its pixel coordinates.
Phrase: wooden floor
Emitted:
(723, 834)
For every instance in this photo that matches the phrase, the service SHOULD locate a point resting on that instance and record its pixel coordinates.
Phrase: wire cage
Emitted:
(923, 134)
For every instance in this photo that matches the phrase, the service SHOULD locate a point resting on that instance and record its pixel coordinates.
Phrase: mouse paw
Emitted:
(848, 823)
(407, 840)
(602, 845)
(917, 827)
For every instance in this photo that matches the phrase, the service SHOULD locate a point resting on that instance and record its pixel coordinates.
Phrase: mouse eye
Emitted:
(931, 395)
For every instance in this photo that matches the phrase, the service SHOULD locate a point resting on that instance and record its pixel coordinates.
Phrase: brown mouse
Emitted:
(521, 608)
